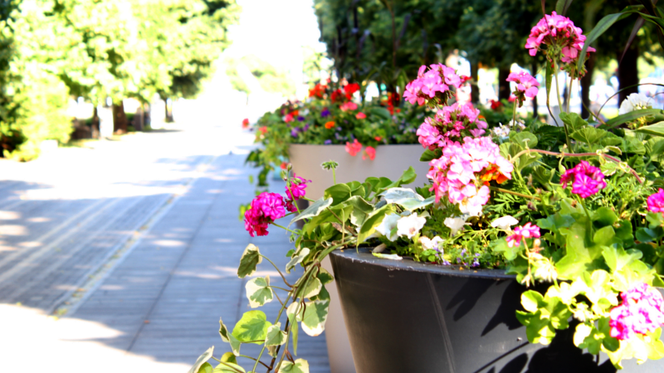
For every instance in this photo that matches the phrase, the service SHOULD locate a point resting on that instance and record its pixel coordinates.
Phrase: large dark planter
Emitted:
(404, 316)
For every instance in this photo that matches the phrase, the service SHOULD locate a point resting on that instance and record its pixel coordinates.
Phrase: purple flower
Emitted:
(294, 132)
(324, 113)
(306, 127)
(300, 118)
(327, 142)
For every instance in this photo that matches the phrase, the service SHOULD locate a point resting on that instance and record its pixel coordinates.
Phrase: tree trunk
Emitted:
(628, 74)
(119, 119)
(94, 131)
(503, 84)
(586, 81)
(138, 119)
(474, 88)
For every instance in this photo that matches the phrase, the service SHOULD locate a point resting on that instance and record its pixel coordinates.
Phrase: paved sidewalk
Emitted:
(159, 307)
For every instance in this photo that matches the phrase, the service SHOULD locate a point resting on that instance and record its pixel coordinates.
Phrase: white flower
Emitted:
(505, 222)
(455, 224)
(635, 101)
(387, 226)
(501, 131)
(519, 124)
(431, 244)
(410, 225)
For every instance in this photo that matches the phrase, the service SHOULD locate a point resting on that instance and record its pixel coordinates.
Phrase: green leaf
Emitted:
(360, 210)
(258, 291)
(631, 144)
(228, 357)
(605, 216)
(633, 115)
(562, 6)
(229, 338)
(205, 368)
(656, 129)
(549, 79)
(573, 121)
(252, 327)
(207, 355)
(646, 235)
(372, 222)
(314, 317)
(407, 177)
(313, 210)
(617, 259)
(596, 32)
(275, 336)
(589, 135)
(531, 300)
(524, 138)
(604, 236)
(251, 257)
(500, 246)
(407, 198)
(313, 288)
(228, 367)
(324, 276)
(381, 112)
(338, 193)
(430, 155)
(294, 330)
(297, 258)
(299, 366)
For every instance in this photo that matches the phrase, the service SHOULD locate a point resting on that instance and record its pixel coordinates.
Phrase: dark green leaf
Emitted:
(250, 259)
(313, 210)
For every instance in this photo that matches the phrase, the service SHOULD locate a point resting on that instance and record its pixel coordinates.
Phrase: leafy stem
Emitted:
(560, 105)
(609, 157)
(277, 268)
(514, 193)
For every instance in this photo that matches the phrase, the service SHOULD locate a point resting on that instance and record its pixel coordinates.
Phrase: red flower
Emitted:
(370, 152)
(360, 115)
(338, 96)
(353, 148)
(263, 130)
(350, 89)
(495, 105)
(284, 165)
(317, 91)
(245, 123)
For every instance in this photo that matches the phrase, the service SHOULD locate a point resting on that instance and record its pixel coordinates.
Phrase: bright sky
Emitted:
(276, 31)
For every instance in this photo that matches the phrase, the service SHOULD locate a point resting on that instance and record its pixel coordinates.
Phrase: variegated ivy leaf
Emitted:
(228, 367)
(272, 350)
(275, 336)
(259, 291)
(313, 288)
(295, 310)
(406, 198)
(313, 210)
(299, 366)
(252, 327)
(314, 317)
(227, 337)
(294, 330)
(202, 360)
(297, 259)
(324, 276)
(251, 257)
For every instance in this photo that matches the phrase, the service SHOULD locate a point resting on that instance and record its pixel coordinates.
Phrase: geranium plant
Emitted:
(577, 207)
(333, 116)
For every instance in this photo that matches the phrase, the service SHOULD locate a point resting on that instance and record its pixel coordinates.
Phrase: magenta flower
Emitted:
(520, 233)
(588, 179)
(559, 39)
(656, 201)
(264, 209)
(451, 123)
(526, 85)
(297, 188)
(642, 311)
(429, 136)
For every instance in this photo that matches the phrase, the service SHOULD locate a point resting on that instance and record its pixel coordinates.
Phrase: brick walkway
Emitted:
(152, 298)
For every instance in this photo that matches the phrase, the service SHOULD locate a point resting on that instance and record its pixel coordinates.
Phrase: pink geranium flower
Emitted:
(353, 148)
(656, 201)
(526, 85)
(360, 115)
(348, 106)
(520, 233)
(435, 82)
(297, 188)
(588, 179)
(641, 312)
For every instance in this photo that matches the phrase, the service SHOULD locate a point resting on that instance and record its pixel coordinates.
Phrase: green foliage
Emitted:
(270, 78)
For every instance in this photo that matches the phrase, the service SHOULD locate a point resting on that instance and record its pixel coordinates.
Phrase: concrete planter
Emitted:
(391, 161)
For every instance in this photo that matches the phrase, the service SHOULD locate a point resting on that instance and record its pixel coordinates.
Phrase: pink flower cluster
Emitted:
(353, 148)
(656, 201)
(436, 81)
(297, 188)
(520, 233)
(526, 85)
(588, 179)
(452, 123)
(564, 41)
(265, 209)
(464, 170)
(642, 311)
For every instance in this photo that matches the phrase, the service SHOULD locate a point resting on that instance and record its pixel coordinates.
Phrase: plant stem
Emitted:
(277, 268)
(514, 193)
(560, 106)
(569, 93)
(514, 114)
(284, 228)
(609, 157)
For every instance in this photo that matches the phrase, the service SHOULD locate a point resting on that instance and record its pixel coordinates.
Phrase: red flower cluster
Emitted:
(345, 94)
(318, 91)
